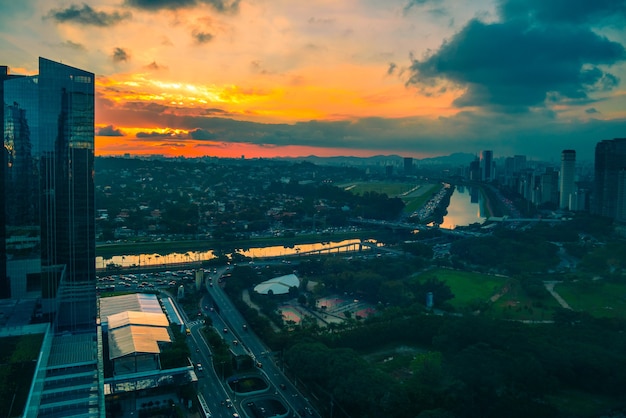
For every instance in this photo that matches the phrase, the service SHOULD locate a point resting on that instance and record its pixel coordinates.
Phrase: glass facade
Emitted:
(49, 215)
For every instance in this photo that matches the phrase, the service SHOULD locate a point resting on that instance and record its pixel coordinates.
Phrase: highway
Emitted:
(230, 318)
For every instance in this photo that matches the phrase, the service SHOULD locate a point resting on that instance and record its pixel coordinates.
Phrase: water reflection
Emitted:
(466, 207)
(160, 260)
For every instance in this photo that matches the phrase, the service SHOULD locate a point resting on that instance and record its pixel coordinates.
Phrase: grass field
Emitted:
(390, 189)
(468, 288)
(414, 203)
(414, 195)
(516, 304)
(600, 299)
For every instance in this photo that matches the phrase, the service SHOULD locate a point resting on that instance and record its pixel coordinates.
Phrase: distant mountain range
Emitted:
(455, 159)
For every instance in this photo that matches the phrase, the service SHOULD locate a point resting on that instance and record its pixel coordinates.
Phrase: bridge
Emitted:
(413, 227)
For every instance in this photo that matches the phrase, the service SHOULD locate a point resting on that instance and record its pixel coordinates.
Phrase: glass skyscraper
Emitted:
(610, 181)
(48, 241)
(48, 214)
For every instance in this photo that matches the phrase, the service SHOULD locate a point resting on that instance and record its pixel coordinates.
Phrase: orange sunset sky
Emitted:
(264, 78)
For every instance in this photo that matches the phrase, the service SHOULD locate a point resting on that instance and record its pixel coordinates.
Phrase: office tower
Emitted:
(610, 159)
(486, 165)
(5, 286)
(474, 170)
(549, 187)
(49, 193)
(48, 218)
(520, 163)
(566, 180)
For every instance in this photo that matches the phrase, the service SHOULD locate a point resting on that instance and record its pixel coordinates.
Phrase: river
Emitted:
(158, 260)
(466, 207)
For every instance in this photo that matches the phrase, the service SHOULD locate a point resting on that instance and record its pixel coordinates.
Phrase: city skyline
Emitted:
(416, 78)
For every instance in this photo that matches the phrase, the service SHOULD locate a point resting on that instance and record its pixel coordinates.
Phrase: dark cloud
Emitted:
(222, 6)
(416, 3)
(109, 131)
(591, 110)
(73, 45)
(155, 67)
(515, 66)
(392, 67)
(202, 37)
(202, 134)
(563, 11)
(86, 15)
(536, 134)
(160, 135)
(120, 54)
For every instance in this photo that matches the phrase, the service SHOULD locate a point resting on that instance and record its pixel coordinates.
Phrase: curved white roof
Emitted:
(136, 340)
(278, 285)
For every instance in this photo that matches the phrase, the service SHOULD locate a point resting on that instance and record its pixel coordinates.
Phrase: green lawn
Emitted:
(390, 189)
(415, 203)
(468, 288)
(516, 304)
(601, 299)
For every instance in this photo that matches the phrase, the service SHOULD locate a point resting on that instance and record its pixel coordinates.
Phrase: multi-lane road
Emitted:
(228, 321)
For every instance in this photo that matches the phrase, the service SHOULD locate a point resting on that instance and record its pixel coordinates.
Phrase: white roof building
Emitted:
(278, 285)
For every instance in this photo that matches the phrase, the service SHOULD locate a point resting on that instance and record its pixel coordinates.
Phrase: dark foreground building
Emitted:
(47, 267)
(610, 179)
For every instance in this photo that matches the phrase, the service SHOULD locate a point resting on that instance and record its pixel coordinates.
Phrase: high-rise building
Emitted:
(47, 220)
(566, 178)
(487, 165)
(48, 127)
(548, 187)
(610, 159)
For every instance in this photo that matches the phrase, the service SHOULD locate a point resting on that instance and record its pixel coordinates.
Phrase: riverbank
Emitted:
(183, 246)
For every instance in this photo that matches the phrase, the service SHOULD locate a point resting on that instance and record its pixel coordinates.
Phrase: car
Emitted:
(283, 386)
(235, 342)
(199, 367)
(225, 330)
(228, 403)
(309, 410)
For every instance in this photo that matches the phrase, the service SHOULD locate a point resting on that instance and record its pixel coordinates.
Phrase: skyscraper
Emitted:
(610, 159)
(47, 219)
(566, 178)
(48, 126)
(486, 165)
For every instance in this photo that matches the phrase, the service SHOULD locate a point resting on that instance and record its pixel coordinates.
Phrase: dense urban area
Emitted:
(434, 324)
(328, 289)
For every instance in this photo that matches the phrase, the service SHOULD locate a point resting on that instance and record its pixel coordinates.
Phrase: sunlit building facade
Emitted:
(48, 225)
(48, 126)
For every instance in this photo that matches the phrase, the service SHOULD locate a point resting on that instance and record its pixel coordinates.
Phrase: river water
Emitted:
(466, 207)
(158, 260)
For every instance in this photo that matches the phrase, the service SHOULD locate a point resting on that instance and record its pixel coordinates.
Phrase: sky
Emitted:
(264, 78)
